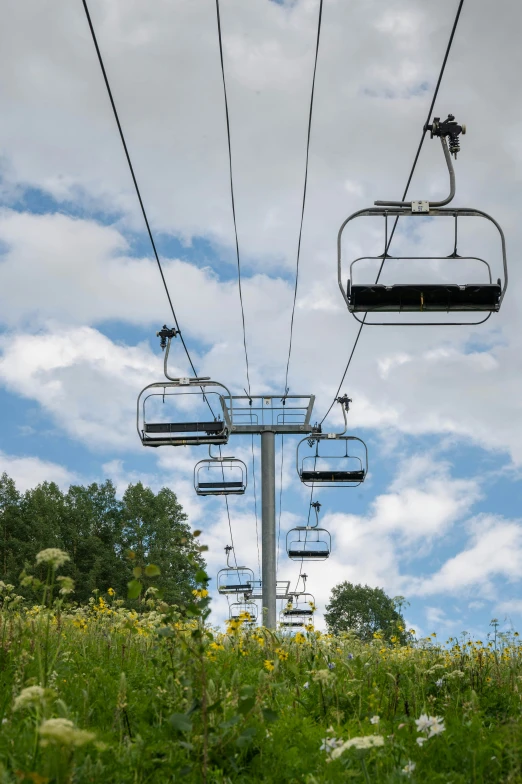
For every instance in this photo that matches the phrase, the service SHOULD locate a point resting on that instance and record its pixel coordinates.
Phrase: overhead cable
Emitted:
(310, 114)
(408, 183)
(231, 178)
(238, 258)
(299, 240)
(135, 181)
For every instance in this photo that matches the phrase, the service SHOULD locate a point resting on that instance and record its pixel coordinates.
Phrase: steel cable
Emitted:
(305, 185)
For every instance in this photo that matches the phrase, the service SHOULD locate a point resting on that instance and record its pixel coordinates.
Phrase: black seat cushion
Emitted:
(210, 485)
(332, 476)
(298, 612)
(184, 427)
(241, 587)
(415, 297)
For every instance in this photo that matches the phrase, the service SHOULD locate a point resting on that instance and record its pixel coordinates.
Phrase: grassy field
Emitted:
(104, 694)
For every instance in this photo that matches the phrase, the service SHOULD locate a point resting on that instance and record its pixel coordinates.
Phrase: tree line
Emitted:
(105, 537)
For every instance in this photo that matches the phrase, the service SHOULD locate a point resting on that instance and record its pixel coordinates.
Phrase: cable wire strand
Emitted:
(405, 193)
(135, 181)
(310, 115)
(231, 178)
(238, 258)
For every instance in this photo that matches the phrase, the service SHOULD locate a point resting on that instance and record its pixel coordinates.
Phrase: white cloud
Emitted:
(28, 472)
(495, 550)
(85, 382)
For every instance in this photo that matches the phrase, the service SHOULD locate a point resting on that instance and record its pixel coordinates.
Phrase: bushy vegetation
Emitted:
(98, 530)
(103, 693)
(365, 610)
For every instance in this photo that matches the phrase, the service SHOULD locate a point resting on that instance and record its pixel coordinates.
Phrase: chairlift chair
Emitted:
(299, 609)
(208, 430)
(346, 468)
(245, 610)
(309, 542)
(373, 297)
(234, 579)
(220, 476)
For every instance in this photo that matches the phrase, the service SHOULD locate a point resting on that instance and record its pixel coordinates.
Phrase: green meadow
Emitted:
(105, 693)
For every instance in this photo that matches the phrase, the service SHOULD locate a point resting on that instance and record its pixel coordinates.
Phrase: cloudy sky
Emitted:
(439, 518)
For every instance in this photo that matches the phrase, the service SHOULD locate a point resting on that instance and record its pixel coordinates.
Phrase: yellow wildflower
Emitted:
(269, 665)
(299, 638)
(282, 655)
(111, 591)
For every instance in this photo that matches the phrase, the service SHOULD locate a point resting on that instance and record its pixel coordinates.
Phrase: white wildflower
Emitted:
(423, 722)
(439, 683)
(366, 742)
(306, 685)
(437, 726)
(455, 674)
(409, 768)
(52, 556)
(421, 741)
(375, 719)
(322, 676)
(328, 744)
(30, 697)
(67, 585)
(64, 733)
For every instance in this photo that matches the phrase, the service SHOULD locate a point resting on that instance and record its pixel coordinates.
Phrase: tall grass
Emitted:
(101, 693)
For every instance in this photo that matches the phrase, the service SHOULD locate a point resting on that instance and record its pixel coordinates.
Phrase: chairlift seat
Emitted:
(296, 611)
(218, 485)
(309, 554)
(241, 587)
(332, 476)
(184, 427)
(414, 297)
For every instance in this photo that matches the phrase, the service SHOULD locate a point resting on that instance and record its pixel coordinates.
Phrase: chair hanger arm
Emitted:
(447, 200)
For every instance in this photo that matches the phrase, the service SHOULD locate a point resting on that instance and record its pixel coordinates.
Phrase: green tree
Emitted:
(92, 536)
(155, 531)
(97, 530)
(15, 534)
(365, 611)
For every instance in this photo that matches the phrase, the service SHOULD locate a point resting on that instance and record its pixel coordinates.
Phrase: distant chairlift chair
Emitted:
(244, 610)
(220, 476)
(328, 468)
(214, 430)
(309, 542)
(375, 297)
(299, 609)
(234, 579)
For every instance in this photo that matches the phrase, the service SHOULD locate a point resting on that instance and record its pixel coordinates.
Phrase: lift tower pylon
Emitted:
(266, 416)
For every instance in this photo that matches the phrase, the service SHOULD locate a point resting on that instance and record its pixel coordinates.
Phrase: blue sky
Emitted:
(438, 520)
